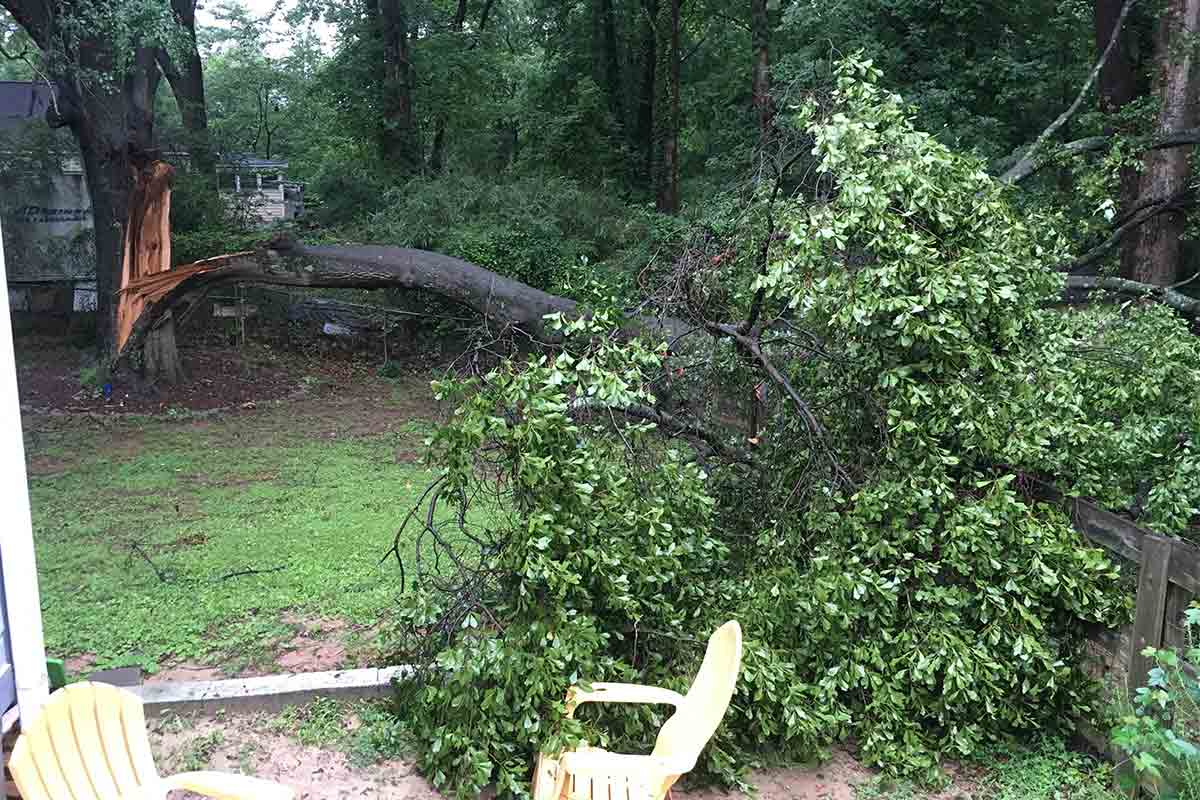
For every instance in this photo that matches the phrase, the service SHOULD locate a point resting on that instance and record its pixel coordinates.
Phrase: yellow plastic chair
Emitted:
(593, 774)
(90, 743)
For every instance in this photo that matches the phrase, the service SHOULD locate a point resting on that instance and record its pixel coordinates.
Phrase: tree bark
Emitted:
(644, 134)
(606, 65)
(437, 156)
(187, 84)
(160, 355)
(1117, 88)
(399, 144)
(111, 115)
(666, 108)
(502, 301)
(1158, 244)
(760, 36)
(1079, 289)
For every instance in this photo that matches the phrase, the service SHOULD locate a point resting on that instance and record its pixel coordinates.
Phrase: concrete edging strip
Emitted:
(270, 692)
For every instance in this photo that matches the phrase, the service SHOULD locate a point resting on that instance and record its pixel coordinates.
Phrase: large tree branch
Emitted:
(1080, 287)
(1029, 158)
(1092, 144)
(1144, 212)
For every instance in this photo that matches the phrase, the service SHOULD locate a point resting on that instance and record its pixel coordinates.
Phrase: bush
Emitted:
(549, 232)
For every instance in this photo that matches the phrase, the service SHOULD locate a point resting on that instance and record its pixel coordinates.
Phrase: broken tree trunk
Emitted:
(147, 252)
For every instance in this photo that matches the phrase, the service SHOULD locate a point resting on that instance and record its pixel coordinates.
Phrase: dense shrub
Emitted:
(550, 232)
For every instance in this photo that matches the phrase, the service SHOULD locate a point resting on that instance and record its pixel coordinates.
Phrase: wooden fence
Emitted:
(1168, 581)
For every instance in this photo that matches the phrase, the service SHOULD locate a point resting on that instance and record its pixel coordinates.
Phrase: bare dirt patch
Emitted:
(251, 744)
(50, 378)
(80, 664)
(245, 745)
(185, 672)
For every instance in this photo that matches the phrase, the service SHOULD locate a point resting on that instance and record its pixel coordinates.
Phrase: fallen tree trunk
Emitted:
(499, 300)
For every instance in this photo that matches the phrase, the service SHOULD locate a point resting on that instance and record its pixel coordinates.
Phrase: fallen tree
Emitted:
(165, 298)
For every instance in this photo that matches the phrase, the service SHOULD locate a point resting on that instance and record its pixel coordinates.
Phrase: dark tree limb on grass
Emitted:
(499, 300)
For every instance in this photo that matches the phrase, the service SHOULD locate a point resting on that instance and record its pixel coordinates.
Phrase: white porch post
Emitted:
(16, 534)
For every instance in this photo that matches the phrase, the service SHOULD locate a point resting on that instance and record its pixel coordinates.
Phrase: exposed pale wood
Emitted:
(147, 241)
(589, 773)
(1151, 606)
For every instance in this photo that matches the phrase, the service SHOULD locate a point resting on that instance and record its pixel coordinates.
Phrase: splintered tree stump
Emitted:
(160, 358)
(148, 253)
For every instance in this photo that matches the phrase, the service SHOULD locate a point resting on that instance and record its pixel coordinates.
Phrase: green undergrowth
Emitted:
(368, 731)
(139, 529)
(1045, 769)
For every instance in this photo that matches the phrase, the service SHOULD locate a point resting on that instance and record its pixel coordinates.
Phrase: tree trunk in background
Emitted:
(1117, 88)
(606, 60)
(115, 131)
(760, 36)
(437, 156)
(666, 108)
(187, 84)
(644, 135)
(399, 143)
(1165, 172)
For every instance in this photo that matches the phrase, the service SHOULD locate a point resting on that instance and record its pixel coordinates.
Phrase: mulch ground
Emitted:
(52, 377)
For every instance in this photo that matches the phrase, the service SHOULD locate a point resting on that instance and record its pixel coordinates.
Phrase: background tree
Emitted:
(1166, 172)
(102, 59)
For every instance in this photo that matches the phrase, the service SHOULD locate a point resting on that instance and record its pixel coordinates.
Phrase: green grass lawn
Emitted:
(308, 489)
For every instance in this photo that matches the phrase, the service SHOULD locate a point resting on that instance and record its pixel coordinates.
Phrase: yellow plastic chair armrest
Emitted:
(227, 786)
(620, 693)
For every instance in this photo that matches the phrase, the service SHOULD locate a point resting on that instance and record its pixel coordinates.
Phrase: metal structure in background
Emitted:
(23, 671)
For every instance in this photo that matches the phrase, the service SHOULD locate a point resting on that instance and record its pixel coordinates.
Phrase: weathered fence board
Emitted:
(1124, 538)
(1151, 607)
(1168, 581)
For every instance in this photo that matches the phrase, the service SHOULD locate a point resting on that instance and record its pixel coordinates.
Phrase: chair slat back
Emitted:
(89, 743)
(684, 735)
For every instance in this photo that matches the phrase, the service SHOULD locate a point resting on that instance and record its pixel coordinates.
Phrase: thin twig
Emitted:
(227, 576)
(137, 548)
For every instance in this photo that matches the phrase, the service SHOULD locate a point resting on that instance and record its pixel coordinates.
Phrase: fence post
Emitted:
(1151, 608)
